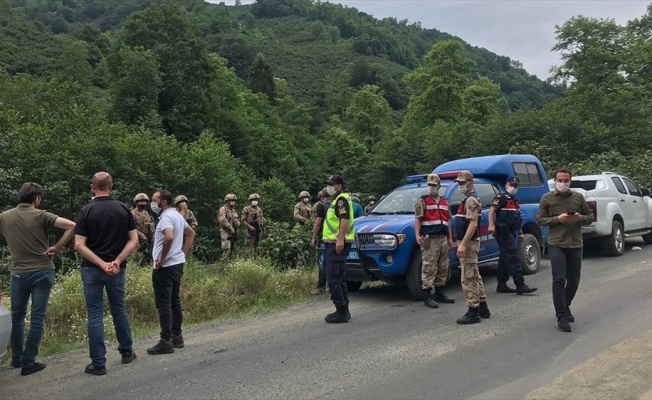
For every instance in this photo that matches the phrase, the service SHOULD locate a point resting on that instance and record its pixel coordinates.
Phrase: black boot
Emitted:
(471, 317)
(483, 310)
(503, 288)
(348, 313)
(441, 297)
(428, 300)
(338, 317)
(523, 288)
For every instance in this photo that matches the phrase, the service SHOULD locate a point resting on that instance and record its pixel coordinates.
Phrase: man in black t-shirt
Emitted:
(105, 235)
(317, 228)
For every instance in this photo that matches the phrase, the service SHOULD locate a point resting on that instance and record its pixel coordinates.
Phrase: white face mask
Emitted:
(372, 202)
(183, 204)
(305, 199)
(330, 189)
(433, 190)
(464, 189)
(254, 202)
(232, 203)
(562, 187)
(512, 190)
(155, 208)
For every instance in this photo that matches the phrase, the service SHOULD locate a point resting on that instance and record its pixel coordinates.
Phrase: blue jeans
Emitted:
(95, 282)
(38, 285)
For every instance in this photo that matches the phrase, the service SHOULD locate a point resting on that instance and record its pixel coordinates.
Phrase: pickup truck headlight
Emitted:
(387, 240)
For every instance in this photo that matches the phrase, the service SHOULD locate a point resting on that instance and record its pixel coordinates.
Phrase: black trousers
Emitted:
(321, 282)
(566, 266)
(335, 269)
(167, 282)
(509, 261)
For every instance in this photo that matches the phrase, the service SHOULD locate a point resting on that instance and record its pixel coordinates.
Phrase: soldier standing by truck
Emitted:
(507, 213)
(144, 226)
(467, 234)
(253, 220)
(227, 218)
(433, 236)
(371, 203)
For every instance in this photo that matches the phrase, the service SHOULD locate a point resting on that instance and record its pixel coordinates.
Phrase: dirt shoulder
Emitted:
(622, 372)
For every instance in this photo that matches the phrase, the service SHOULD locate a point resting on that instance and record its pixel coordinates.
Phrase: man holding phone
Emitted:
(564, 211)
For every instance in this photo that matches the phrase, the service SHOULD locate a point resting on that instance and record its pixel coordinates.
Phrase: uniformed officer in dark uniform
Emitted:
(506, 211)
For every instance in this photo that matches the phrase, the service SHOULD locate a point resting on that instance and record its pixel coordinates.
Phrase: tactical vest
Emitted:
(332, 223)
(462, 224)
(509, 216)
(436, 217)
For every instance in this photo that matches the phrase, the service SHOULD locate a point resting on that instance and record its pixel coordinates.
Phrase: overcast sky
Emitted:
(523, 30)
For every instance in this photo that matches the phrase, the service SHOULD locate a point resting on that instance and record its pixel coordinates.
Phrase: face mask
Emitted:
(254, 203)
(372, 202)
(305, 200)
(330, 190)
(562, 187)
(512, 190)
(182, 204)
(232, 203)
(141, 207)
(433, 190)
(463, 189)
(156, 208)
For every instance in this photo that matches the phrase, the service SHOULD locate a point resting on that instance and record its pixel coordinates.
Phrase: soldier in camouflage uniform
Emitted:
(227, 218)
(181, 204)
(303, 209)
(371, 203)
(144, 226)
(253, 220)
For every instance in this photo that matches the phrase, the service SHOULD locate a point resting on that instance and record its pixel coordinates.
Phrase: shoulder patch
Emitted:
(340, 203)
(496, 202)
(342, 210)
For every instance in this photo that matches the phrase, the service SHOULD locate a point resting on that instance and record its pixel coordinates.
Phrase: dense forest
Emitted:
(206, 99)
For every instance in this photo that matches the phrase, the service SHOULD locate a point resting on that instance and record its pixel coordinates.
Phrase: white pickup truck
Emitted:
(620, 210)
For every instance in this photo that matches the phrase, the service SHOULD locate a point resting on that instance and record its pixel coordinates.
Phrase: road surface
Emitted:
(395, 348)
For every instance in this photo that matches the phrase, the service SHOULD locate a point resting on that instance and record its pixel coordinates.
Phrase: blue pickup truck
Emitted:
(386, 247)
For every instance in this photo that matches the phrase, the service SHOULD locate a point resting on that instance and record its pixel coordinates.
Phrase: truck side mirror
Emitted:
(646, 192)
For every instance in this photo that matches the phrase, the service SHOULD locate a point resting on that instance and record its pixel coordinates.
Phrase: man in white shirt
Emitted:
(169, 255)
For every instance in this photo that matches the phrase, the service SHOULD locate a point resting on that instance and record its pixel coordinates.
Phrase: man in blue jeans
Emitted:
(32, 272)
(105, 236)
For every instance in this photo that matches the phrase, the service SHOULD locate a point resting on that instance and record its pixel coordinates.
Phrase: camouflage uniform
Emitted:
(189, 216)
(303, 210)
(471, 279)
(145, 228)
(434, 255)
(253, 220)
(227, 217)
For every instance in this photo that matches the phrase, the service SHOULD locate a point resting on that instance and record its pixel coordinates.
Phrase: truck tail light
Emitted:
(593, 206)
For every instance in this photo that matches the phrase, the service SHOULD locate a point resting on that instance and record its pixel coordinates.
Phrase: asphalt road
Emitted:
(393, 348)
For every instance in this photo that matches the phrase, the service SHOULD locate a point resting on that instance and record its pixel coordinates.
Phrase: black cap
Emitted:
(513, 180)
(335, 180)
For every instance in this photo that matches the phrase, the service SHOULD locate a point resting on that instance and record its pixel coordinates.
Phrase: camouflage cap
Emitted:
(371, 198)
(304, 194)
(230, 197)
(141, 196)
(464, 176)
(254, 196)
(179, 199)
(433, 180)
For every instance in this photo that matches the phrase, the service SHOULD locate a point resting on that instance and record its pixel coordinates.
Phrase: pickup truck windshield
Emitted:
(402, 201)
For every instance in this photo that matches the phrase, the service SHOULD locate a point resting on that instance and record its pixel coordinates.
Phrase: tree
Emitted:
(262, 79)
(59, 25)
(369, 116)
(483, 99)
(73, 63)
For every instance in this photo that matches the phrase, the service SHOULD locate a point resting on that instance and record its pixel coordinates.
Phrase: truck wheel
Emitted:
(413, 275)
(353, 286)
(648, 238)
(530, 252)
(614, 244)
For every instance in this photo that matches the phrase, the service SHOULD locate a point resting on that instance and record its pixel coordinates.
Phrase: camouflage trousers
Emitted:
(434, 261)
(471, 280)
(251, 244)
(227, 246)
(143, 252)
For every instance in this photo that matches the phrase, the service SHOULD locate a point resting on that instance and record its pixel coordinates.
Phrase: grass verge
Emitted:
(208, 294)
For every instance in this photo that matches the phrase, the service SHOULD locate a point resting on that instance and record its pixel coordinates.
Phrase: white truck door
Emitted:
(640, 206)
(626, 202)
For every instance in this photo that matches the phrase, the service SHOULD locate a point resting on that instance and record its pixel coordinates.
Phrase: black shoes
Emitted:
(428, 300)
(569, 316)
(483, 310)
(524, 289)
(93, 370)
(16, 364)
(563, 325)
(503, 288)
(441, 297)
(162, 347)
(177, 341)
(128, 356)
(471, 317)
(340, 316)
(33, 369)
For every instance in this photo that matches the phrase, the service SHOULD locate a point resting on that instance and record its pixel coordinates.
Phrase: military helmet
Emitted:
(254, 196)
(304, 194)
(370, 198)
(179, 199)
(141, 196)
(230, 197)
(355, 199)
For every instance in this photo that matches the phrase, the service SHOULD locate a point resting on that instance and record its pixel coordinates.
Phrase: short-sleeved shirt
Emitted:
(106, 223)
(26, 230)
(342, 208)
(473, 208)
(170, 219)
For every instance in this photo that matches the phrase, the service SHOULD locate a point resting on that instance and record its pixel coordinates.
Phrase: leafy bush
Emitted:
(288, 248)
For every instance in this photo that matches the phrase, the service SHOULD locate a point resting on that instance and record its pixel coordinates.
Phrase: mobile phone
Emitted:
(571, 213)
